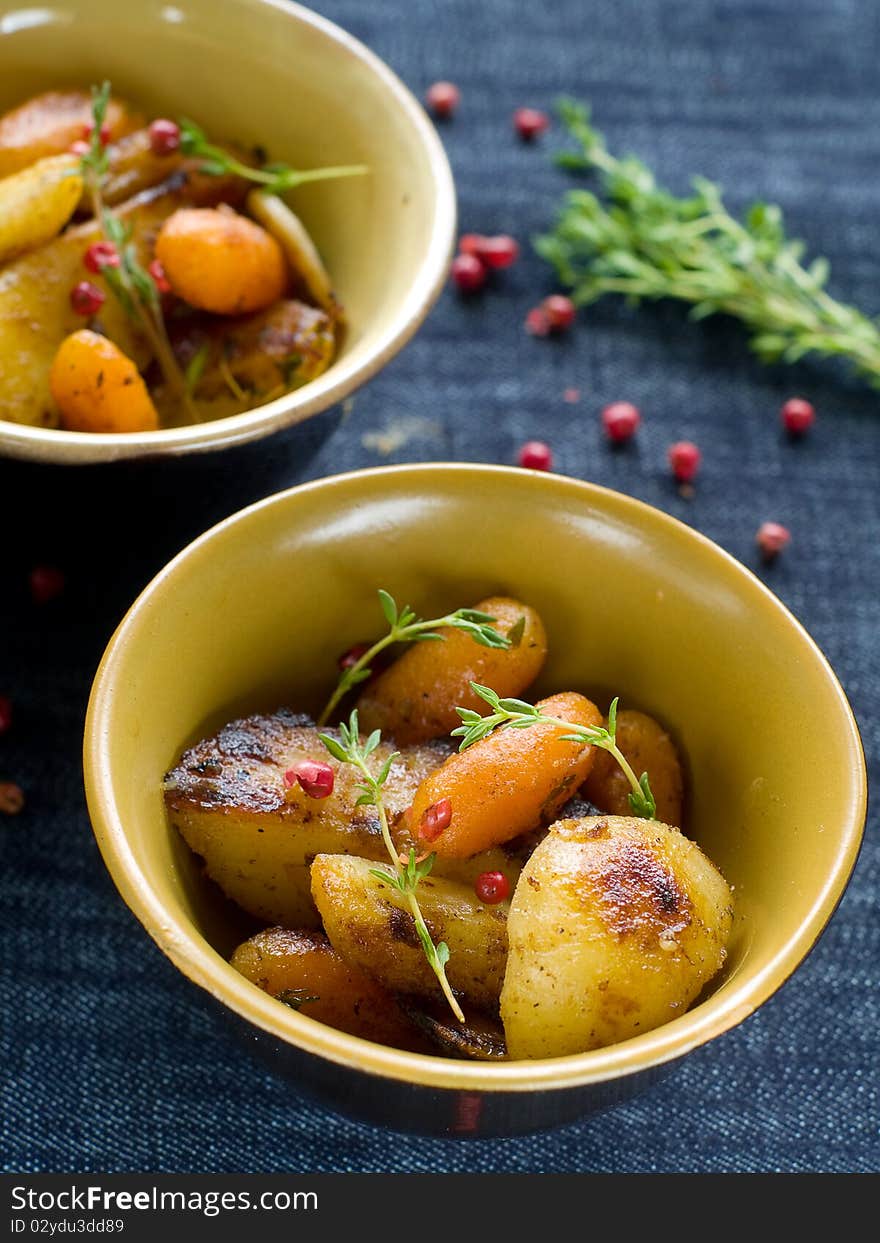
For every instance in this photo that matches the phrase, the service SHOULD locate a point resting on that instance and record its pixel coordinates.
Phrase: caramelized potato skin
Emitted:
(36, 203)
(220, 261)
(370, 925)
(615, 926)
(509, 782)
(97, 388)
(47, 124)
(416, 697)
(301, 968)
(648, 748)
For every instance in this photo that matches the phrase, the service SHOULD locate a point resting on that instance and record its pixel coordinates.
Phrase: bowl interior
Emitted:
(255, 613)
(267, 73)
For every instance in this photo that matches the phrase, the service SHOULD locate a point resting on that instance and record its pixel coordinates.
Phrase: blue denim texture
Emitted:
(111, 1062)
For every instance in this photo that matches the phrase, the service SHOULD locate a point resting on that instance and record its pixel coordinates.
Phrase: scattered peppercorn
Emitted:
(164, 136)
(89, 129)
(160, 280)
(530, 122)
(798, 416)
(46, 582)
(435, 819)
(315, 778)
(571, 395)
(468, 273)
(443, 99)
(11, 798)
(560, 311)
(535, 455)
(498, 252)
(621, 421)
(5, 714)
(101, 255)
(771, 538)
(537, 323)
(492, 887)
(86, 298)
(684, 459)
(349, 659)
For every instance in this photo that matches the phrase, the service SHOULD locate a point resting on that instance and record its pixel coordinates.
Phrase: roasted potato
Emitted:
(648, 748)
(257, 357)
(228, 799)
(302, 254)
(36, 204)
(416, 698)
(370, 924)
(615, 926)
(48, 124)
(509, 782)
(301, 969)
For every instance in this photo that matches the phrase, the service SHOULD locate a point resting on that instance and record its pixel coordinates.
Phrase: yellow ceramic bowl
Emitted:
(271, 73)
(254, 614)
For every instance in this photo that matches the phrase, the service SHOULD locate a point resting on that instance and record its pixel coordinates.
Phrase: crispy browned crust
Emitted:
(242, 768)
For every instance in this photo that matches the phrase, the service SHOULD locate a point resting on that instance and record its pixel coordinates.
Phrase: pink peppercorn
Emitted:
(349, 659)
(86, 298)
(468, 273)
(435, 820)
(160, 280)
(313, 777)
(684, 459)
(164, 136)
(560, 311)
(771, 538)
(621, 421)
(46, 582)
(537, 323)
(535, 455)
(443, 99)
(530, 122)
(492, 887)
(498, 252)
(101, 255)
(798, 416)
(5, 714)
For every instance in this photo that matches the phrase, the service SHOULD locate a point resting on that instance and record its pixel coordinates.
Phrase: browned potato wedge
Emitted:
(416, 697)
(228, 800)
(301, 969)
(648, 748)
(615, 927)
(302, 255)
(258, 357)
(36, 203)
(370, 924)
(49, 123)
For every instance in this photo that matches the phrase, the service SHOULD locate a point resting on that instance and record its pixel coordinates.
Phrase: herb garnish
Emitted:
(406, 627)
(273, 178)
(517, 714)
(133, 287)
(646, 243)
(404, 877)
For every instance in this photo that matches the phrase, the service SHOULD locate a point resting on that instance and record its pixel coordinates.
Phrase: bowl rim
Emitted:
(20, 440)
(205, 967)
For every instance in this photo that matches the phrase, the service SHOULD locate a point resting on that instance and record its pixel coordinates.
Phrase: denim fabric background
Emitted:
(112, 1062)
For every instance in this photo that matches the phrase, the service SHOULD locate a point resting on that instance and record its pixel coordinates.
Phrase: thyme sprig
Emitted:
(518, 714)
(643, 242)
(273, 178)
(131, 285)
(405, 627)
(404, 877)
